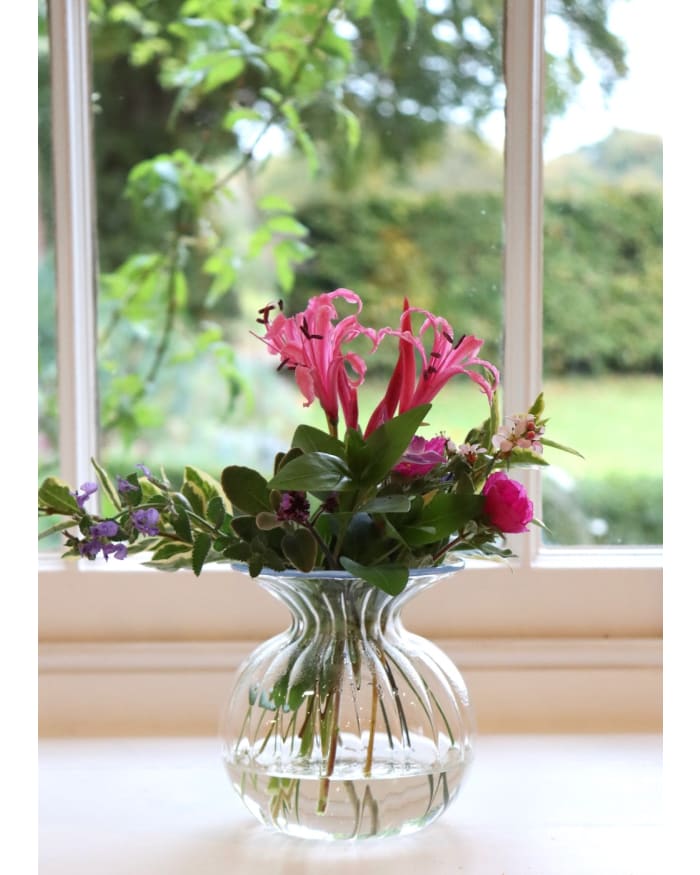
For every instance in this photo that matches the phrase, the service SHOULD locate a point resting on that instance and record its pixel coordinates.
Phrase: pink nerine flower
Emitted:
(447, 357)
(421, 456)
(311, 344)
(507, 505)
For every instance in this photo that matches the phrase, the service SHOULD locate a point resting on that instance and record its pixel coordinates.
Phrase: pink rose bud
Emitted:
(507, 505)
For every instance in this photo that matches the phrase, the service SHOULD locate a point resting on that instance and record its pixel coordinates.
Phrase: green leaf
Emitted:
(287, 225)
(216, 511)
(206, 484)
(55, 494)
(386, 445)
(171, 557)
(523, 458)
(106, 484)
(300, 548)
(266, 521)
(246, 489)
(547, 443)
(388, 504)
(313, 472)
(310, 440)
(392, 579)
(223, 71)
(537, 408)
(181, 523)
(200, 551)
(444, 515)
(195, 497)
(386, 19)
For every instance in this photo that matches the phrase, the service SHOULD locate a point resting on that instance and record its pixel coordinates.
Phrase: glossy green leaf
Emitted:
(313, 472)
(442, 517)
(310, 439)
(246, 489)
(386, 445)
(392, 579)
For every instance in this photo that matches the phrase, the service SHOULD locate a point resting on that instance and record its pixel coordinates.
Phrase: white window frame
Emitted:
(568, 603)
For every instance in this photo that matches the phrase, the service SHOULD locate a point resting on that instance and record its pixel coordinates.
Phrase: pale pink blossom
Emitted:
(520, 430)
(470, 452)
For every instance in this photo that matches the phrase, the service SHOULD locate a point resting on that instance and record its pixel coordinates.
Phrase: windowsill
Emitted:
(580, 805)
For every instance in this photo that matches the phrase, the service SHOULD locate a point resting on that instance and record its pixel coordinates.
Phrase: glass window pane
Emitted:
(358, 153)
(48, 406)
(602, 277)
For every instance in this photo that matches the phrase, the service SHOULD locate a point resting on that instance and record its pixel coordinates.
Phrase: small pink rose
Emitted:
(507, 505)
(421, 456)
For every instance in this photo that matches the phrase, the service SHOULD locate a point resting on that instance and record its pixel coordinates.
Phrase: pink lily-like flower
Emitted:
(446, 358)
(310, 343)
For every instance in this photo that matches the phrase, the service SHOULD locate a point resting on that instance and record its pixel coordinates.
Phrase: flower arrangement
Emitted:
(377, 501)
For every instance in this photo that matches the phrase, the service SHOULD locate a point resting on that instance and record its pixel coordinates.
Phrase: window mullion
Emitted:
(524, 75)
(75, 247)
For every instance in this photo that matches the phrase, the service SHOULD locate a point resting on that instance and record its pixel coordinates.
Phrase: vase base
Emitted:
(347, 806)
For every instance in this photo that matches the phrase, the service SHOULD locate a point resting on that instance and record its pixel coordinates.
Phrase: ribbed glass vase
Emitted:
(346, 726)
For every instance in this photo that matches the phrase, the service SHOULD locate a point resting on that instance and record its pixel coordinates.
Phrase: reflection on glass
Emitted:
(602, 285)
(255, 152)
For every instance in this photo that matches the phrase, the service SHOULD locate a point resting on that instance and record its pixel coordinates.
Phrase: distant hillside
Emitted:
(625, 159)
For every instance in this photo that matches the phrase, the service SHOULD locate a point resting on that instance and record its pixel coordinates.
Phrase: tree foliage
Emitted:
(186, 95)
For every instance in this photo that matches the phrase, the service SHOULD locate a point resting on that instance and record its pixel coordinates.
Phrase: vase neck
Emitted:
(335, 606)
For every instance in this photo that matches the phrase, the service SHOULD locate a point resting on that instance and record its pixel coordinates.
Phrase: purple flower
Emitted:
(106, 529)
(118, 550)
(90, 548)
(421, 456)
(145, 520)
(293, 507)
(124, 486)
(88, 489)
(99, 541)
(145, 471)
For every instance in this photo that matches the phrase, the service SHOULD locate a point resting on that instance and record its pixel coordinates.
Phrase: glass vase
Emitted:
(346, 726)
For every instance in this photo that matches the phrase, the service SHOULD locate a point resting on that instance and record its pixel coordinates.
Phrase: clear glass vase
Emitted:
(347, 726)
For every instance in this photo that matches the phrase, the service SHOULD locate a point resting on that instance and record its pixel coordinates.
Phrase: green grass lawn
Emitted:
(615, 422)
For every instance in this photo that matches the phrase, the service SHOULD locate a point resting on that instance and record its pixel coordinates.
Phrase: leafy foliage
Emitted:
(602, 269)
(349, 508)
(185, 92)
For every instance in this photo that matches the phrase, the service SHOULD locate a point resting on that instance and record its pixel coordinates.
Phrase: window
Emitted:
(550, 592)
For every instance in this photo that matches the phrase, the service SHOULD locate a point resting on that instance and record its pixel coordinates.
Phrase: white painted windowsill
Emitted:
(542, 804)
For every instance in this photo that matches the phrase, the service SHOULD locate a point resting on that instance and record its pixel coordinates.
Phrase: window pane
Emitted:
(602, 280)
(48, 407)
(366, 154)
